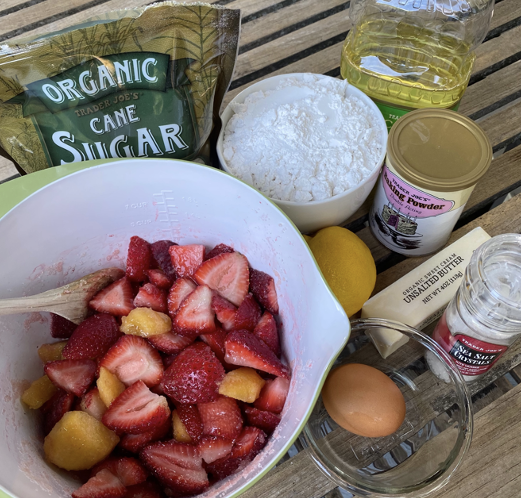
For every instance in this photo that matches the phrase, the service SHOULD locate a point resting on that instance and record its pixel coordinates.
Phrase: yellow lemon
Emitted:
(347, 265)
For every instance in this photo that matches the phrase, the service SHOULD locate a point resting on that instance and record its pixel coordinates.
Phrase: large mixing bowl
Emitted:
(83, 222)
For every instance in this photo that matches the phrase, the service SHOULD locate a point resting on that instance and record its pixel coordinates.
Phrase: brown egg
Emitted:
(363, 400)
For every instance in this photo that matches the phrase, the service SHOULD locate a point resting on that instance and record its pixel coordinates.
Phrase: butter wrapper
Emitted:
(420, 297)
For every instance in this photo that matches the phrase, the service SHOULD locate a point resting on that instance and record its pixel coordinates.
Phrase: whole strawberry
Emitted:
(194, 375)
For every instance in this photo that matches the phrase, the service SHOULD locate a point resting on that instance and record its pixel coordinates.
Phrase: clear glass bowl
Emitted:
(429, 446)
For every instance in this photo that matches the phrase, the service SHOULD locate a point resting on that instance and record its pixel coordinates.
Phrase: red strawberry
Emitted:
(159, 279)
(162, 257)
(73, 376)
(103, 485)
(147, 489)
(139, 259)
(194, 375)
(189, 415)
(247, 446)
(92, 338)
(169, 343)
(132, 358)
(177, 465)
(224, 311)
(54, 409)
(262, 287)
(61, 328)
(267, 421)
(266, 330)
(227, 274)
(150, 296)
(186, 259)
(273, 395)
(245, 349)
(116, 299)
(195, 315)
(135, 442)
(136, 410)
(221, 417)
(219, 249)
(216, 342)
(213, 448)
(92, 403)
(178, 293)
(248, 314)
(127, 469)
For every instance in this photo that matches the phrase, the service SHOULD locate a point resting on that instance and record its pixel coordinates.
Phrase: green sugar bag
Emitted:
(135, 83)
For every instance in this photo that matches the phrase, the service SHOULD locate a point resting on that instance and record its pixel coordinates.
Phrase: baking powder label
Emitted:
(472, 356)
(411, 201)
(413, 221)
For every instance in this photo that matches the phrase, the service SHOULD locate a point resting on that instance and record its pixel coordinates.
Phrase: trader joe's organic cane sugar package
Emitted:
(136, 83)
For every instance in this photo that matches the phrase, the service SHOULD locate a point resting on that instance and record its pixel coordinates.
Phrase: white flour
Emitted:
(304, 141)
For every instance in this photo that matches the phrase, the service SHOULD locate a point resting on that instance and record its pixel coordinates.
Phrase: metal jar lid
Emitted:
(438, 149)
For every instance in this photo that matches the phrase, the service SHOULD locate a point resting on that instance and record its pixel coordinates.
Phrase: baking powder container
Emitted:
(434, 159)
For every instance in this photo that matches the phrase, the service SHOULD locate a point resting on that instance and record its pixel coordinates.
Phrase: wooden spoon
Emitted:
(70, 301)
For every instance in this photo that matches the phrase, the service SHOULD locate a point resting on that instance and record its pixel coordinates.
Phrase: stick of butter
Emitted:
(420, 297)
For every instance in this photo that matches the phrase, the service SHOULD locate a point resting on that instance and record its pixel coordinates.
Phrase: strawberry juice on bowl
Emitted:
(84, 222)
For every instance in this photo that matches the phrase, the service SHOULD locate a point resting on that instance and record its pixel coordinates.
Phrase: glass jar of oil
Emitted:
(412, 54)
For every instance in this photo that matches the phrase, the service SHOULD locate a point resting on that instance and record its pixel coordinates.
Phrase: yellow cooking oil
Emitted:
(405, 66)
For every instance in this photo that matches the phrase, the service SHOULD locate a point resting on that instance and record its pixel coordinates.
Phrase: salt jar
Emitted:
(484, 317)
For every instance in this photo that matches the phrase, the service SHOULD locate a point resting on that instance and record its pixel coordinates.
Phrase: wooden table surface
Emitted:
(306, 36)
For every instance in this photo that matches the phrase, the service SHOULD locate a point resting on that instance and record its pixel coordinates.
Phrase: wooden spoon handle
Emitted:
(29, 303)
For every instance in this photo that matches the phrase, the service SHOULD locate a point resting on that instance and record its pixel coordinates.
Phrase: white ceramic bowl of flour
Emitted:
(311, 143)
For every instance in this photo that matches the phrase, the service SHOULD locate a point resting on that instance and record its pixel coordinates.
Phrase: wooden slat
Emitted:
(485, 472)
(289, 16)
(7, 169)
(9, 4)
(505, 12)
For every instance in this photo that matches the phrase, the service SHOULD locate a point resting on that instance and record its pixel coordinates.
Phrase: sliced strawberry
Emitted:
(189, 415)
(262, 286)
(216, 342)
(247, 350)
(159, 279)
(92, 403)
(139, 259)
(116, 299)
(136, 442)
(273, 395)
(248, 314)
(178, 293)
(267, 421)
(103, 485)
(150, 296)
(177, 465)
(221, 417)
(92, 338)
(212, 448)
(147, 489)
(61, 328)
(228, 274)
(162, 257)
(186, 259)
(73, 376)
(195, 315)
(132, 358)
(219, 249)
(194, 375)
(266, 330)
(224, 311)
(127, 469)
(170, 342)
(136, 410)
(246, 447)
(54, 409)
